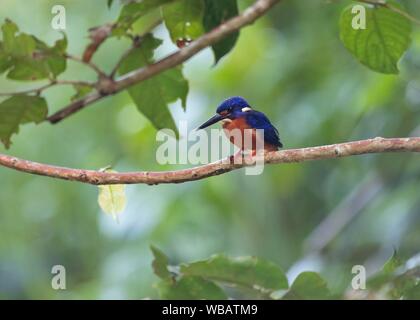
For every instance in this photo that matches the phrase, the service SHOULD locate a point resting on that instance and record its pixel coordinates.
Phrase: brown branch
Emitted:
(376, 145)
(259, 8)
(97, 35)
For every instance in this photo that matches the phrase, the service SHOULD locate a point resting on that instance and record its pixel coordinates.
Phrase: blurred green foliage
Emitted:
(380, 38)
(321, 216)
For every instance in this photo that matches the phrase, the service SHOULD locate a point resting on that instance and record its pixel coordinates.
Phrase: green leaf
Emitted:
(5, 60)
(249, 272)
(109, 3)
(184, 20)
(52, 58)
(217, 12)
(81, 91)
(28, 70)
(152, 96)
(413, 291)
(55, 57)
(132, 12)
(385, 39)
(28, 58)
(392, 264)
(190, 288)
(17, 110)
(309, 286)
(135, 10)
(112, 198)
(388, 272)
(16, 45)
(160, 263)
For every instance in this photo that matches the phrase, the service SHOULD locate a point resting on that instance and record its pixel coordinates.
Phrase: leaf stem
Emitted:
(34, 90)
(51, 84)
(90, 64)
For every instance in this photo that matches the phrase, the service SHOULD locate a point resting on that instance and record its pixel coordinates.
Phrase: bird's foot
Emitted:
(247, 157)
(237, 158)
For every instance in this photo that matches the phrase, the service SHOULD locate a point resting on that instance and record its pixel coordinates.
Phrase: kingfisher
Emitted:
(236, 113)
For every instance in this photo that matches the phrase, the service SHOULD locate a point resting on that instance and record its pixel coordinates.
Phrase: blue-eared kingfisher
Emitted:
(236, 113)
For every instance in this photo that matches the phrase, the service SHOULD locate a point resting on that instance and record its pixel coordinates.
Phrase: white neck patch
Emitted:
(246, 109)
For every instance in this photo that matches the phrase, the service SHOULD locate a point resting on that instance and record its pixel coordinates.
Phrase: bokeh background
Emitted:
(325, 216)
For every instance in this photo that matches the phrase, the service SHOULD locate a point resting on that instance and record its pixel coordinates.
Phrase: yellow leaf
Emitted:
(112, 199)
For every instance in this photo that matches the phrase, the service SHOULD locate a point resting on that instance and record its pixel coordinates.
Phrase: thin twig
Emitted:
(76, 83)
(376, 145)
(29, 91)
(49, 85)
(90, 64)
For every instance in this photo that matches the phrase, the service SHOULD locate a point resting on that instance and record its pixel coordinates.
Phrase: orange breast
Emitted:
(235, 131)
(239, 137)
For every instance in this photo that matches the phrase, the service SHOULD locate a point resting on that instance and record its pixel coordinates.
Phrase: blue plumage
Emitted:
(239, 111)
(232, 104)
(259, 120)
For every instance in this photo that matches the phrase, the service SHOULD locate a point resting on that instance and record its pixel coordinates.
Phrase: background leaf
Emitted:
(160, 263)
(112, 199)
(81, 91)
(16, 44)
(5, 61)
(153, 95)
(28, 58)
(249, 272)
(190, 288)
(184, 19)
(382, 43)
(17, 110)
(135, 10)
(216, 12)
(308, 285)
(393, 263)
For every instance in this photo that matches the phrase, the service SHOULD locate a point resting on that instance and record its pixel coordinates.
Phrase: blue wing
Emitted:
(258, 120)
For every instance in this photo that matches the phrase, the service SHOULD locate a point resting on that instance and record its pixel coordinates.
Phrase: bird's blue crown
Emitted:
(232, 104)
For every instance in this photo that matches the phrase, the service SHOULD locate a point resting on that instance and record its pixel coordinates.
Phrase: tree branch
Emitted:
(376, 145)
(259, 8)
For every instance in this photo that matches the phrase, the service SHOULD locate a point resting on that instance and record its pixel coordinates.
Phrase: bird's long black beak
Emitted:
(212, 120)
